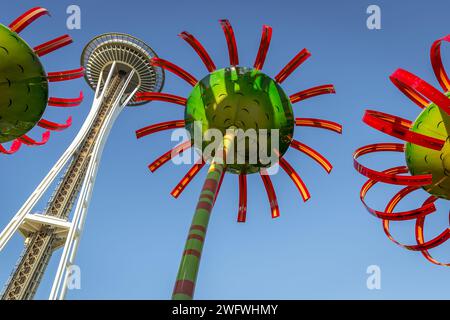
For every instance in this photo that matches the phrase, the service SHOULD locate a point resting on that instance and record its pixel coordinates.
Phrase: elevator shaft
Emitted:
(40, 245)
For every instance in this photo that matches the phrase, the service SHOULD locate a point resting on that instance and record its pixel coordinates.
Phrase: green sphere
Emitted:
(23, 86)
(243, 98)
(432, 122)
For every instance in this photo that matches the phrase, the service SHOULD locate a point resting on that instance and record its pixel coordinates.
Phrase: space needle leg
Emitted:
(59, 287)
(190, 262)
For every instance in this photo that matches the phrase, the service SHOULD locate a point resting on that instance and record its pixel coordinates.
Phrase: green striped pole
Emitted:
(190, 262)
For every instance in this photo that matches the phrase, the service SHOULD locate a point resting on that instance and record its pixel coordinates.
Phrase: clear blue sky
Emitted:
(135, 231)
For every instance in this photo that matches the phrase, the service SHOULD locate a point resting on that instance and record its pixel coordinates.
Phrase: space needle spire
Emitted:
(117, 67)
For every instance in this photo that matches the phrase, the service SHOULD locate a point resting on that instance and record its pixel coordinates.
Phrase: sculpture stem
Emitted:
(190, 262)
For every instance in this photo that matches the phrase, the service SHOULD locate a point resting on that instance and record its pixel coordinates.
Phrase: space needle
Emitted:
(117, 67)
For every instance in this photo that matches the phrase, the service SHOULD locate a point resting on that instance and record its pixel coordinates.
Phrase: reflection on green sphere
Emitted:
(244, 98)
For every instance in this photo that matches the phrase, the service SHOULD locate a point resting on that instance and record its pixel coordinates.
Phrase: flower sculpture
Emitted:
(427, 153)
(24, 85)
(236, 98)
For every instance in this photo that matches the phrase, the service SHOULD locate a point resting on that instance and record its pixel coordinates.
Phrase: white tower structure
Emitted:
(117, 67)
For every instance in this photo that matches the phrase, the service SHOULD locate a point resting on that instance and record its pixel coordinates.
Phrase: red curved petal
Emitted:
(201, 51)
(66, 102)
(443, 237)
(65, 75)
(159, 127)
(418, 180)
(169, 155)
(15, 146)
(421, 244)
(31, 142)
(179, 188)
(27, 18)
(158, 96)
(388, 214)
(270, 194)
(319, 123)
(413, 95)
(301, 57)
(310, 152)
(263, 47)
(312, 92)
(400, 128)
(296, 179)
(54, 126)
(436, 62)
(231, 41)
(52, 45)
(169, 66)
(418, 90)
(389, 210)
